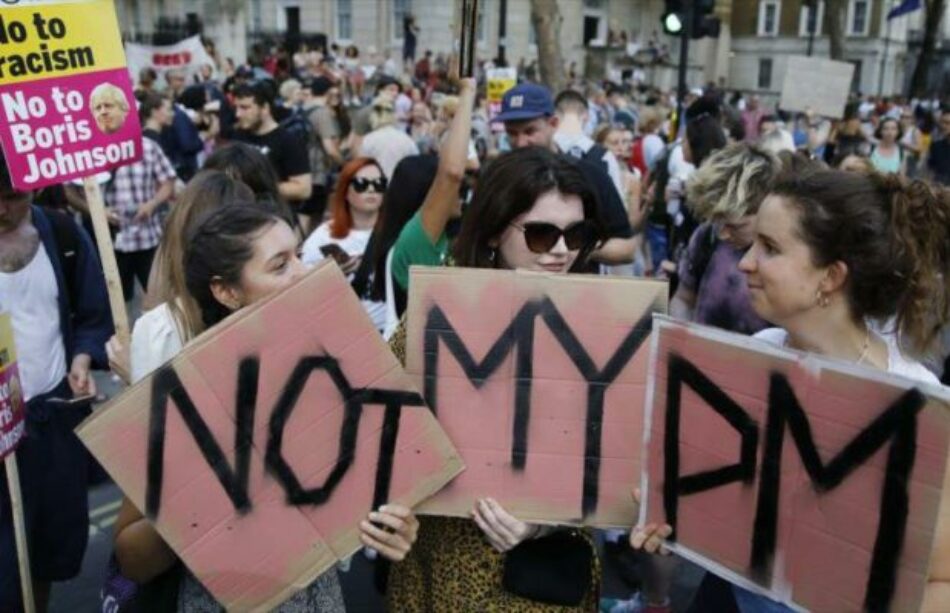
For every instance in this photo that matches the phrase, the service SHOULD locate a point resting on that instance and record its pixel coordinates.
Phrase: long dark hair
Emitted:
(508, 188)
(407, 190)
(894, 236)
(219, 247)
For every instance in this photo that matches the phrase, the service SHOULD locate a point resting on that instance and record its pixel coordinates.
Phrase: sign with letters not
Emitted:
(540, 382)
(258, 450)
(12, 405)
(812, 481)
(818, 84)
(66, 99)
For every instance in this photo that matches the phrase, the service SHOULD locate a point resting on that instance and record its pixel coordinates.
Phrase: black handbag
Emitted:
(554, 569)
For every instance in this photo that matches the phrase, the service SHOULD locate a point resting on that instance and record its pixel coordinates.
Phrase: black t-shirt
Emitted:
(287, 153)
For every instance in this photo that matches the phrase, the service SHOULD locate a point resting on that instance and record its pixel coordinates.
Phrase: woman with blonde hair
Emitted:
(725, 193)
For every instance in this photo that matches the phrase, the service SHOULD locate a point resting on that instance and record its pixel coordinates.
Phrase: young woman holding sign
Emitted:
(532, 210)
(237, 254)
(834, 252)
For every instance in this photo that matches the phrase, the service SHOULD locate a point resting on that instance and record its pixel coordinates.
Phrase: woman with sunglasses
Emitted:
(354, 209)
(532, 210)
(835, 254)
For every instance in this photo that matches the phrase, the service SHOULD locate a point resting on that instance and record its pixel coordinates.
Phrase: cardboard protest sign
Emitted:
(187, 55)
(810, 480)
(12, 426)
(539, 381)
(258, 450)
(65, 96)
(815, 83)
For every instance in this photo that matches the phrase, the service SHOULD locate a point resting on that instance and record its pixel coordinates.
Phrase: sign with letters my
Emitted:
(258, 450)
(815, 482)
(540, 382)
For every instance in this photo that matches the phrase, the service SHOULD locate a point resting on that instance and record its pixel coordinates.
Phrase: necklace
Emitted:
(866, 349)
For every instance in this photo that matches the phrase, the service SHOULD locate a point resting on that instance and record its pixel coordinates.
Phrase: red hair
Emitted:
(341, 220)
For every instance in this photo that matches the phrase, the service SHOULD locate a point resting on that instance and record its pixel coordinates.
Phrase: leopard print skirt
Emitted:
(453, 569)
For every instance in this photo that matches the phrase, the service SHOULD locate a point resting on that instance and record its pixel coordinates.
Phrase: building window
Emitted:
(344, 19)
(810, 21)
(769, 11)
(595, 23)
(401, 9)
(765, 73)
(859, 17)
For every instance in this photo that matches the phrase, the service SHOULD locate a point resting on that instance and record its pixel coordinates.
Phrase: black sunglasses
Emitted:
(541, 237)
(361, 184)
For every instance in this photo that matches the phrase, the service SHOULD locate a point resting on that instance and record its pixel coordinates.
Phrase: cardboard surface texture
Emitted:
(505, 359)
(327, 426)
(815, 83)
(813, 481)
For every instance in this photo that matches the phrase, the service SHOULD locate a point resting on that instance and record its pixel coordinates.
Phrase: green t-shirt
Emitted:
(413, 248)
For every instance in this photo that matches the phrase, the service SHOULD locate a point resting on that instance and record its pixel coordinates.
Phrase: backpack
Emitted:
(298, 124)
(707, 241)
(637, 159)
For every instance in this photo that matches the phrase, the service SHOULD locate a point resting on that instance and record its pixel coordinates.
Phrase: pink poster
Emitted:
(66, 98)
(540, 382)
(258, 450)
(12, 426)
(812, 481)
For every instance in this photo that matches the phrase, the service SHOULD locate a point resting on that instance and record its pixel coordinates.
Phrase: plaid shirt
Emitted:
(132, 186)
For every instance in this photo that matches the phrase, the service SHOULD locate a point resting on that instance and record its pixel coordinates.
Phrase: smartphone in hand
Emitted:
(336, 252)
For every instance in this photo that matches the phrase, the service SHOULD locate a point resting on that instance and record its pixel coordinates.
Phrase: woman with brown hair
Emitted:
(532, 210)
(835, 254)
(237, 253)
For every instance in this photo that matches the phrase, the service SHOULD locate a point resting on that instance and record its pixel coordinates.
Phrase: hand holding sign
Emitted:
(257, 452)
(794, 476)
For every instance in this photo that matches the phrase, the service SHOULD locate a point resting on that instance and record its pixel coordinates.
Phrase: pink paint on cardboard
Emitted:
(301, 395)
(834, 503)
(534, 376)
(52, 133)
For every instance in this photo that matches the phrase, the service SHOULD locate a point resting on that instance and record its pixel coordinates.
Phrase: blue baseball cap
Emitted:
(526, 101)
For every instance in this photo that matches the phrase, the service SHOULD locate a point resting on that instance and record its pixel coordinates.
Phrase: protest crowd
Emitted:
(825, 235)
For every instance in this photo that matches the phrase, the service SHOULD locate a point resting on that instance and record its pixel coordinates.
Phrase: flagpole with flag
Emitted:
(905, 7)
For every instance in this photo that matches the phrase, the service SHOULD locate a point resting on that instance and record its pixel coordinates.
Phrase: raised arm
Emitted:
(441, 202)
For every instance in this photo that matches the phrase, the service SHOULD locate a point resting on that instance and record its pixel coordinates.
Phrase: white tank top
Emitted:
(31, 296)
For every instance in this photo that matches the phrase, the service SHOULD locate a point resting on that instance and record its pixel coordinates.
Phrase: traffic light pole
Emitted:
(682, 90)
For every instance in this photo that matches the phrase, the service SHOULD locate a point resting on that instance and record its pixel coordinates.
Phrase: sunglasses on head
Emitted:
(361, 184)
(541, 237)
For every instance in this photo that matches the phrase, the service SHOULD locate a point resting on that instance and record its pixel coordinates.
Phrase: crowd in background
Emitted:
(252, 173)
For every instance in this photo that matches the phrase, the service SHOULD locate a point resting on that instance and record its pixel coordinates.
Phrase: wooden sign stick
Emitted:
(97, 211)
(19, 529)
